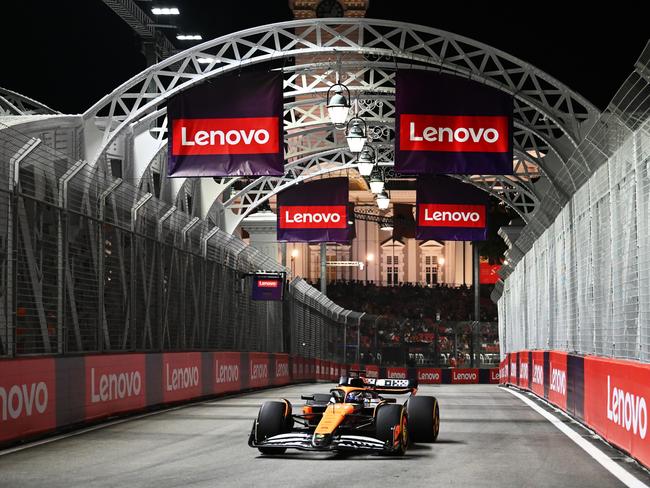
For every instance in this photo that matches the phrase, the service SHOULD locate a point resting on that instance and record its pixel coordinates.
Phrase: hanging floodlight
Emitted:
(338, 104)
(383, 200)
(356, 134)
(376, 181)
(366, 161)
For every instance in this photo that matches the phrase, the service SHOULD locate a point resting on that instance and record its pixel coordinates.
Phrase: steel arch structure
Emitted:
(550, 118)
(13, 103)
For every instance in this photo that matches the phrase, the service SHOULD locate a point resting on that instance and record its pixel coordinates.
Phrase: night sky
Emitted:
(69, 54)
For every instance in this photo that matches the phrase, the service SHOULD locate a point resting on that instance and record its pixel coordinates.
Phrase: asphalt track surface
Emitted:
(488, 438)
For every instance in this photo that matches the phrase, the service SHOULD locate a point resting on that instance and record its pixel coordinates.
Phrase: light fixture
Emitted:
(376, 181)
(366, 161)
(441, 261)
(189, 37)
(294, 253)
(370, 257)
(338, 105)
(356, 134)
(383, 200)
(505, 262)
(165, 11)
(204, 60)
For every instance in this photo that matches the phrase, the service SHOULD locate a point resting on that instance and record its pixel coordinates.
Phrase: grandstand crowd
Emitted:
(425, 325)
(437, 302)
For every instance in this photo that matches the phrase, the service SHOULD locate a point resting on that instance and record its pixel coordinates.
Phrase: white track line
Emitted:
(601, 458)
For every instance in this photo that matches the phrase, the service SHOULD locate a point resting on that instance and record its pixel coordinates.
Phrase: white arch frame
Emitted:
(543, 105)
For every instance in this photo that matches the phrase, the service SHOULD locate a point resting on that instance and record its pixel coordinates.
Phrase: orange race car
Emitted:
(352, 417)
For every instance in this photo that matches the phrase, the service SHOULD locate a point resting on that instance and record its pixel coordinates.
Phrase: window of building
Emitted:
(431, 270)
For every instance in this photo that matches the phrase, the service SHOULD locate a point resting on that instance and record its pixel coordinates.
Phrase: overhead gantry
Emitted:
(549, 119)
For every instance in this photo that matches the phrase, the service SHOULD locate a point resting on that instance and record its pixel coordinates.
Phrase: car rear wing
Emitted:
(383, 385)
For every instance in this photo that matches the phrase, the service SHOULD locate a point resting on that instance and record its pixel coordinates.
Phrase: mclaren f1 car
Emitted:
(353, 417)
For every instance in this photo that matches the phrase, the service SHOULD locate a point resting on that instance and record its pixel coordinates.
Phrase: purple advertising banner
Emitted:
(315, 212)
(450, 210)
(267, 287)
(449, 125)
(229, 126)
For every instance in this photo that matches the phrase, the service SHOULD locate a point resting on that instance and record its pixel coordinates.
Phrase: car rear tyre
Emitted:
(424, 418)
(392, 427)
(274, 418)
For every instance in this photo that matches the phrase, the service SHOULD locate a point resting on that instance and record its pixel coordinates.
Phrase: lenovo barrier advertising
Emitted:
(450, 210)
(316, 211)
(27, 397)
(114, 383)
(449, 125)
(229, 126)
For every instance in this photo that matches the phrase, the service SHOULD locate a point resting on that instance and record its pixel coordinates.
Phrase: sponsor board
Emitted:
(449, 209)
(537, 377)
(504, 374)
(446, 125)
(114, 383)
(237, 135)
(181, 376)
(495, 376)
(430, 376)
(451, 215)
(282, 373)
(464, 376)
(513, 368)
(316, 211)
(372, 371)
(251, 135)
(267, 287)
(454, 133)
(523, 369)
(258, 369)
(396, 373)
(226, 372)
(313, 217)
(558, 382)
(616, 403)
(27, 397)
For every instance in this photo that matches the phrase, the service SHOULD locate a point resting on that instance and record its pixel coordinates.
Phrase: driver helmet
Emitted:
(355, 397)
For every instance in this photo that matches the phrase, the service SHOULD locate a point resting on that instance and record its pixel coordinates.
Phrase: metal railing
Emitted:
(89, 263)
(584, 286)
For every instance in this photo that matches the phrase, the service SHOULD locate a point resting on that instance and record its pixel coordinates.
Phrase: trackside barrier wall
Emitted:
(42, 395)
(608, 395)
(583, 284)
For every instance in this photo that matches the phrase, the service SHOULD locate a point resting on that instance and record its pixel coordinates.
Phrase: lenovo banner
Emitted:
(397, 373)
(27, 397)
(429, 375)
(282, 376)
(450, 125)
(230, 126)
(227, 372)
(537, 385)
(557, 388)
(258, 369)
(267, 287)
(616, 403)
(464, 376)
(114, 383)
(450, 210)
(181, 375)
(523, 369)
(315, 212)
